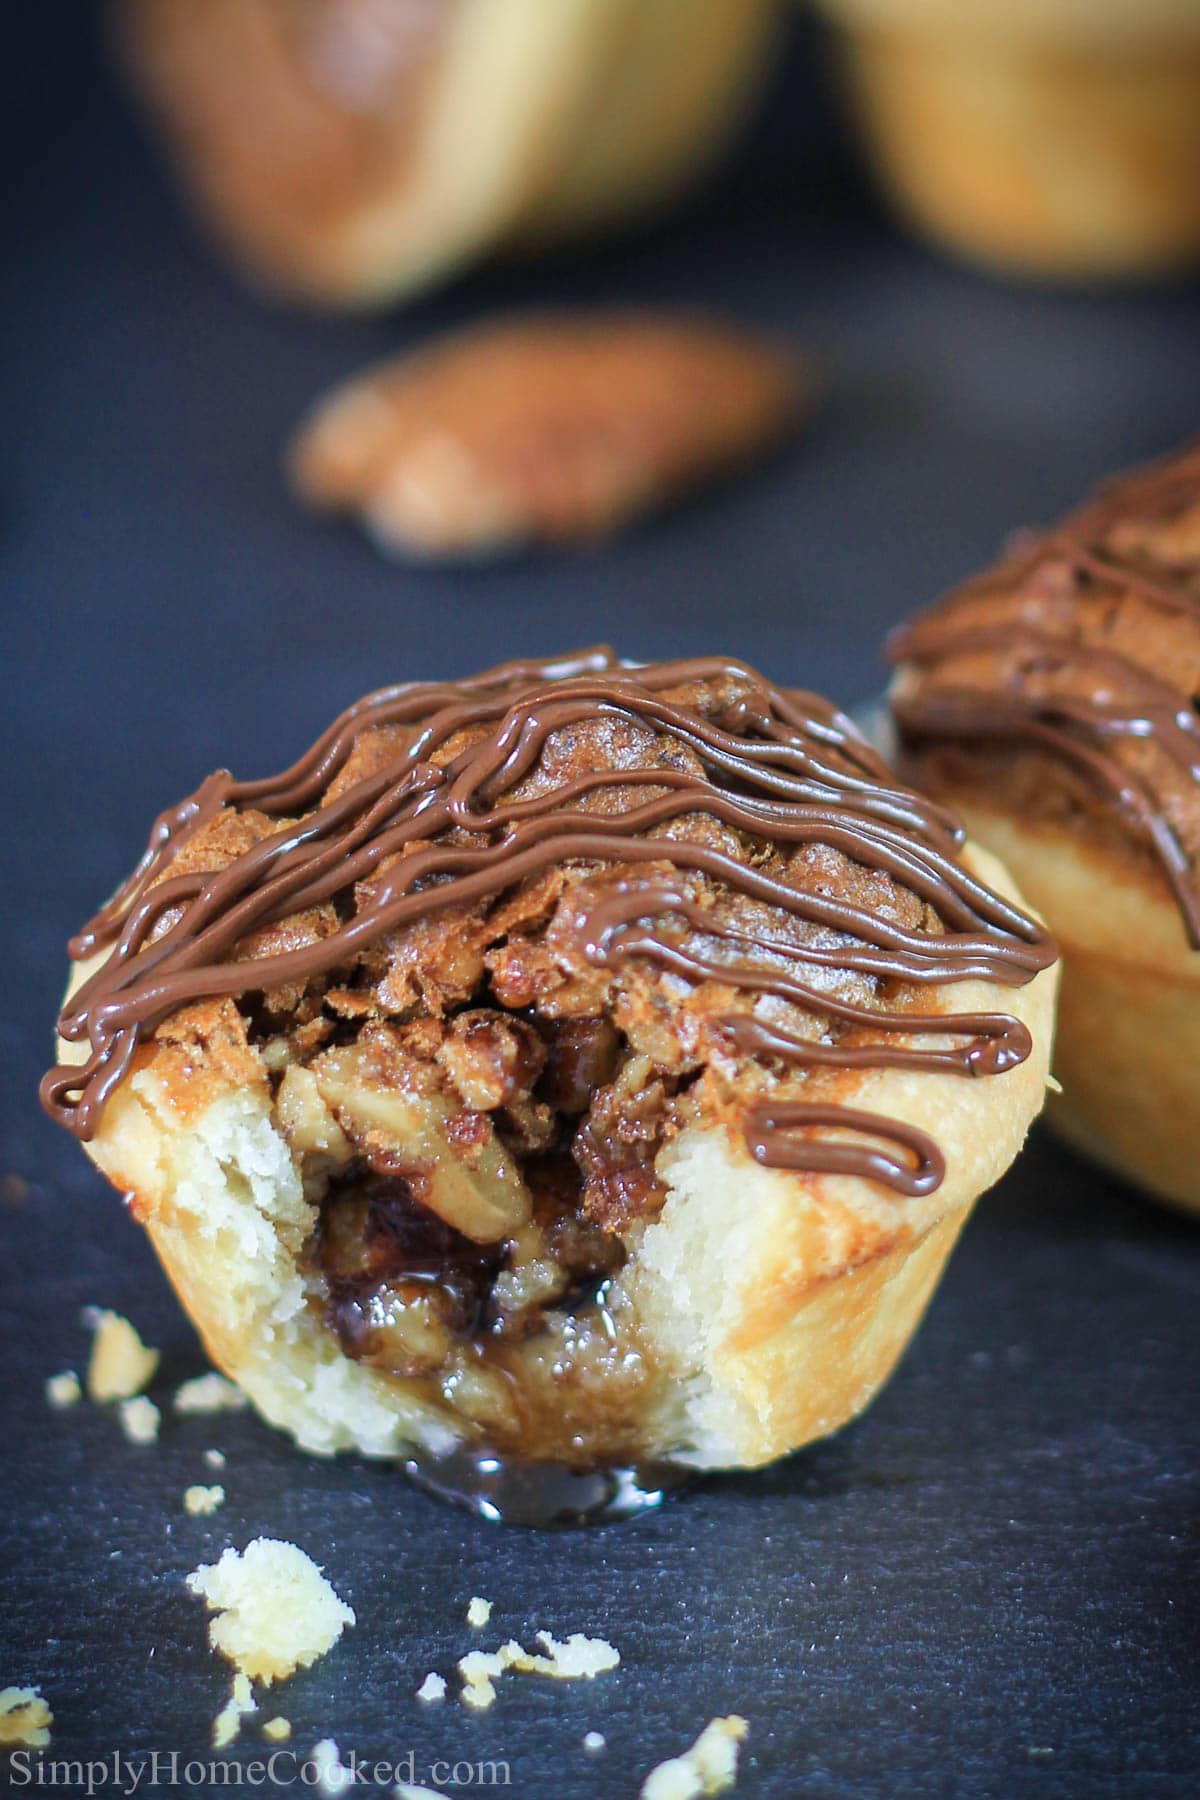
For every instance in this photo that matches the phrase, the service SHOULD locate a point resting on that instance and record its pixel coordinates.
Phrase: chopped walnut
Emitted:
(493, 1060)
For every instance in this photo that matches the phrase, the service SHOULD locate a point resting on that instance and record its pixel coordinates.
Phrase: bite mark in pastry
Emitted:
(1055, 702)
(586, 1059)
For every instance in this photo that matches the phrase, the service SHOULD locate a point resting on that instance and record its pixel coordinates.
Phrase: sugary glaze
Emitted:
(1065, 683)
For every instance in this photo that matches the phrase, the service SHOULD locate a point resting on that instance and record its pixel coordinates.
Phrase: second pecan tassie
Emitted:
(1054, 701)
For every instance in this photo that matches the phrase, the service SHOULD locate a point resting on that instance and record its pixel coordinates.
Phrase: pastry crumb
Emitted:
(120, 1364)
(578, 1659)
(228, 1721)
(478, 1669)
(278, 1729)
(215, 1459)
(478, 1612)
(210, 1393)
(202, 1502)
(25, 1718)
(333, 1777)
(274, 1610)
(432, 1688)
(64, 1390)
(15, 1189)
(709, 1767)
(594, 1741)
(140, 1419)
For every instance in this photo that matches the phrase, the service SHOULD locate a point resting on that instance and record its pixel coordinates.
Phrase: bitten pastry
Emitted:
(586, 1059)
(1054, 702)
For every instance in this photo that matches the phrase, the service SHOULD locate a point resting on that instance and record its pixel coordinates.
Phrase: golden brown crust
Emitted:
(1127, 1042)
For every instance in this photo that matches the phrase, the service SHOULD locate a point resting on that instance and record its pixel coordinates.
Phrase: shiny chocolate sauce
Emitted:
(446, 823)
(1046, 677)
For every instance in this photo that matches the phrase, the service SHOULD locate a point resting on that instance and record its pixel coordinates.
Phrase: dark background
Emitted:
(986, 1587)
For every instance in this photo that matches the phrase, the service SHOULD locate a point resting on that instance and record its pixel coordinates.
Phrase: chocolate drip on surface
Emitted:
(1123, 702)
(781, 767)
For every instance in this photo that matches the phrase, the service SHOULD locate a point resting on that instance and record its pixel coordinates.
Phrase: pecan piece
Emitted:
(390, 1105)
(542, 428)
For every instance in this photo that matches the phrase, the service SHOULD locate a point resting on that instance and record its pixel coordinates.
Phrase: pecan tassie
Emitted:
(539, 1059)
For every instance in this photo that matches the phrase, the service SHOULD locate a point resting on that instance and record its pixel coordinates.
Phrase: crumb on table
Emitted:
(274, 1610)
(120, 1364)
(709, 1767)
(578, 1659)
(332, 1776)
(202, 1501)
(140, 1419)
(25, 1718)
(228, 1721)
(210, 1393)
(64, 1390)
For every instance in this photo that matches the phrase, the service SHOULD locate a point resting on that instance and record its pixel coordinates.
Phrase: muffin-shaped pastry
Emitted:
(1048, 137)
(587, 1060)
(1056, 703)
(355, 150)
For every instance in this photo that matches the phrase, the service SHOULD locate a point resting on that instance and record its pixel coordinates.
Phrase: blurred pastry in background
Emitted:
(1055, 702)
(542, 428)
(354, 151)
(1055, 138)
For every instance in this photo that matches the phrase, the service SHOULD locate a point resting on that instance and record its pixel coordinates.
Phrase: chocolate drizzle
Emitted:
(443, 823)
(1046, 671)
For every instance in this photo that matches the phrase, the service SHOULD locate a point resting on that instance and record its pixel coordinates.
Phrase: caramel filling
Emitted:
(473, 1204)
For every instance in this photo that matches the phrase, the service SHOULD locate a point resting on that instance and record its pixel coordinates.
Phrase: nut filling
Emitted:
(483, 1268)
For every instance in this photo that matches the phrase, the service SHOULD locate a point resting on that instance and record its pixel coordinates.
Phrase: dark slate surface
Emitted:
(986, 1587)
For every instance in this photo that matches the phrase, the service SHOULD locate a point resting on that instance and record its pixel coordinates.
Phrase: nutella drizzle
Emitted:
(1080, 731)
(779, 765)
